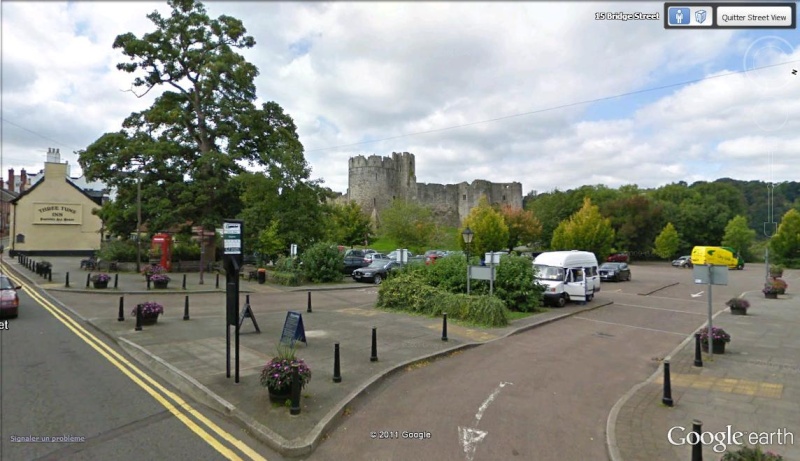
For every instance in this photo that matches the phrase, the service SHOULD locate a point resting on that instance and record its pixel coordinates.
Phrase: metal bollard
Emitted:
(698, 356)
(50, 274)
(309, 303)
(67, 284)
(121, 317)
(337, 372)
(148, 282)
(138, 317)
(444, 326)
(186, 308)
(184, 283)
(295, 410)
(374, 356)
(697, 444)
(217, 284)
(88, 279)
(667, 399)
(116, 280)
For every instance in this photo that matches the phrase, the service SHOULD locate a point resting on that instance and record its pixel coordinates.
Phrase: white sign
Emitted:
(231, 228)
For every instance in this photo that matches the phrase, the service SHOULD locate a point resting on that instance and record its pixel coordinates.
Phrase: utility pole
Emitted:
(138, 220)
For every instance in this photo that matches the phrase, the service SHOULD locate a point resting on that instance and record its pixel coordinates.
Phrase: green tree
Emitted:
(204, 127)
(347, 224)
(489, 228)
(409, 224)
(636, 220)
(585, 230)
(785, 244)
(739, 236)
(270, 242)
(667, 242)
(523, 227)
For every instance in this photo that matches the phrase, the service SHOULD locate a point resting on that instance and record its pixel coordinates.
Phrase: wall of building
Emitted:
(55, 217)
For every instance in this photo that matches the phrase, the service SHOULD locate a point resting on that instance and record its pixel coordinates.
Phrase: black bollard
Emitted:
(217, 284)
(337, 372)
(309, 303)
(444, 326)
(186, 308)
(184, 283)
(138, 317)
(116, 280)
(50, 274)
(697, 445)
(374, 356)
(698, 357)
(148, 282)
(121, 317)
(295, 410)
(88, 279)
(36, 269)
(667, 399)
(67, 284)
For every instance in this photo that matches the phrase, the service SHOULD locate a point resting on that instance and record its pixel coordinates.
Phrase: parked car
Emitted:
(352, 263)
(376, 272)
(683, 261)
(615, 272)
(375, 256)
(394, 254)
(9, 300)
(353, 252)
(432, 255)
(618, 258)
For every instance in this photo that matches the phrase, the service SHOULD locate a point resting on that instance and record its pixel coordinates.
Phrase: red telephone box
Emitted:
(161, 248)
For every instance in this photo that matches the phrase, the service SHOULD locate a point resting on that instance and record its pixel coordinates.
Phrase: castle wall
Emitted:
(443, 200)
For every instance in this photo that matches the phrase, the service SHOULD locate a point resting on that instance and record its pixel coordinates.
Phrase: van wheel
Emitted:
(378, 279)
(741, 266)
(561, 301)
(589, 297)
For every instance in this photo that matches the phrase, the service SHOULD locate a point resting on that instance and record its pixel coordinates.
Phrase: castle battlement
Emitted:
(375, 181)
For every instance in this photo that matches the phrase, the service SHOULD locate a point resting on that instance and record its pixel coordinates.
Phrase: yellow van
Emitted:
(718, 256)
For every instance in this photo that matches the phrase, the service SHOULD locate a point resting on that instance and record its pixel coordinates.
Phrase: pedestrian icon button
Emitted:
(680, 16)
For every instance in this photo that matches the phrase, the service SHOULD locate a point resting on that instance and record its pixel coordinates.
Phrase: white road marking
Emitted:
(697, 295)
(486, 402)
(662, 297)
(631, 326)
(658, 308)
(470, 437)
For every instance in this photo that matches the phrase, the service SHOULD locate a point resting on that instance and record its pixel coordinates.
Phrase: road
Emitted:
(59, 379)
(544, 394)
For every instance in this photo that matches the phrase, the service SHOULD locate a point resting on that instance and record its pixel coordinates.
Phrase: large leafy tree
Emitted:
(785, 244)
(204, 127)
(346, 224)
(667, 242)
(409, 224)
(635, 219)
(739, 236)
(489, 229)
(585, 230)
(523, 227)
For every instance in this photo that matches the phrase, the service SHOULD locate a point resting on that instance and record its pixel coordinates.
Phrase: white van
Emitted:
(567, 276)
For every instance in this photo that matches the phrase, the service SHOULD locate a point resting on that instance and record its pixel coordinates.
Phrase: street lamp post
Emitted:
(138, 220)
(467, 235)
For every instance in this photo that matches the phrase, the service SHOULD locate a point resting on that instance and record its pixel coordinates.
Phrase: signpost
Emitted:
(710, 275)
(293, 329)
(232, 231)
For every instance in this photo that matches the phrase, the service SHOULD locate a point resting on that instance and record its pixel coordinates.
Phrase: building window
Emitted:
(394, 197)
(374, 202)
(20, 238)
(504, 198)
(464, 197)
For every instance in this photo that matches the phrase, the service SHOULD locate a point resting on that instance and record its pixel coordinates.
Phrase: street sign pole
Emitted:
(710, 326)
(232, 232)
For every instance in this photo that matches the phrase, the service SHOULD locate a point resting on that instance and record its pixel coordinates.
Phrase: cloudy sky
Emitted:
(538, 93)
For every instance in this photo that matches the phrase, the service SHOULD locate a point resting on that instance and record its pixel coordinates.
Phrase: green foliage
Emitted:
(286, 264)
(514, 284)
(523, 227)
(269, 241)
(408, 291)
(322, 263)
(585, 230)
(751, 454)
(785, 244)
(118, 250)
(347, 224)
(739, 236)
(409, 224)
(489, 228)
(291, 279)
(636, 220)
(186, 251)
(666, 244)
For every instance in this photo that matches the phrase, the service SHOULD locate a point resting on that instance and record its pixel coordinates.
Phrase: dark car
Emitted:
(618, 258)
(9, 300)
(683, 261)
(615, 272)
(352, 263)
(376, 272)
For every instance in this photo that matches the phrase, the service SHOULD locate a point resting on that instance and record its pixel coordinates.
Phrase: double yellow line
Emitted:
(180, 409)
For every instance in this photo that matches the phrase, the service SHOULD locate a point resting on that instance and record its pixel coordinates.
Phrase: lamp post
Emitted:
(467, 235)
(138, 220)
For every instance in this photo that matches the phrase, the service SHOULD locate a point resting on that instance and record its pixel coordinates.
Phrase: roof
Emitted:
(97, 200)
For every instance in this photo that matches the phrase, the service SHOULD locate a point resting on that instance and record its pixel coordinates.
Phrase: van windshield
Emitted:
(549, 272)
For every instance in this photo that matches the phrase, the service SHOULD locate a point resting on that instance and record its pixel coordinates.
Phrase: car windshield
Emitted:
(549, 272)
(5, 284)
(379, 263)
(609, 267)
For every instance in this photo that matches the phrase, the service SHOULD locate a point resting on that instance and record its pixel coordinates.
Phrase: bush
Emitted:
(119, 250)
(188, 251)
(284, 264)
(322, 262)
(514, 284)
(286, 278)
(751, 454)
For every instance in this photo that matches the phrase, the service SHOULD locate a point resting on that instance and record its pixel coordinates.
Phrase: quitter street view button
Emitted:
(755, 16)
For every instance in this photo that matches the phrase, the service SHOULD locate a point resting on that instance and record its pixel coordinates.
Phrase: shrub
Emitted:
(188, 251)
(322, 262)
(285, 264)
(286, 278)
(119, 250)
(775, 270)
(514, 284)
(751, 454)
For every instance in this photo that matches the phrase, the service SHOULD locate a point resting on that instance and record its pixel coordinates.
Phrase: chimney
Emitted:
(23, 180)
(11, 179)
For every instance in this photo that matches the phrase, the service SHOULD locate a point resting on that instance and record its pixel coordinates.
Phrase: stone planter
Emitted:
(719, 346)
(771, 295)
(100, 285)
(149, 319)
(738, 311)
(160, 285)
(280, 395)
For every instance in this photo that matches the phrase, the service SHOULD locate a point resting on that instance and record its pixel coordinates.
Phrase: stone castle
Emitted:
(375, 181)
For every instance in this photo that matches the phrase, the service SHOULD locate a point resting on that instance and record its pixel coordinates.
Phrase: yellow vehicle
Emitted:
(718, 256)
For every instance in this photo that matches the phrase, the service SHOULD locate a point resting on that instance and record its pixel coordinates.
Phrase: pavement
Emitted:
(191, 354)
(753, 389)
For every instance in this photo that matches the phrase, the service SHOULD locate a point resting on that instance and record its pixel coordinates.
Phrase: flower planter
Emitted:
(103, 284)
(739, 311)
(160, 285)
(719, 347)
(771, 295)
(280, 395)
(781, 291)
(149, 319)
